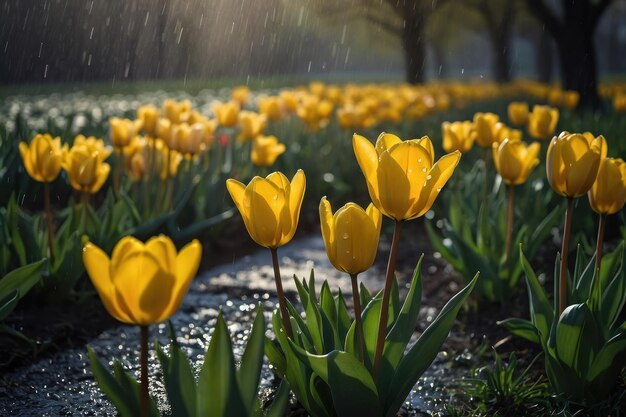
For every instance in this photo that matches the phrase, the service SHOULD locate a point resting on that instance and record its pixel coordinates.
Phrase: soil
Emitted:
(57, 380)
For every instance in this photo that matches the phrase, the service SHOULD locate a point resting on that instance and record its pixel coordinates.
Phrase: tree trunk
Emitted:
(413, 43)
(578, 54)
(544, 58)
(501, 46)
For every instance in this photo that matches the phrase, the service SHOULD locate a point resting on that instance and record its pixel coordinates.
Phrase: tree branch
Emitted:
(389, 27)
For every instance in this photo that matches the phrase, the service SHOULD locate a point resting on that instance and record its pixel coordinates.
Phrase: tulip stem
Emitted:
(118, 173)
(143, 359)
(599, 243)
(84, 199)
(384, 310)
(356, 300)
(281, 295)
(564, 253)
(48, 209)
(509, 221)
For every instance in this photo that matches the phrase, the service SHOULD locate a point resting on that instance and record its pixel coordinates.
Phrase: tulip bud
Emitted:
(226, 113)
(350, 236)
(122, 131)
(43, 158)
(514, 160)
(518, 113)
(86, 168)
(542, 121)
(457, 136)
(148, 115)
(270, 207)
(251, 125)
(608, 193)
(240, 94)
(484, 132)
(572, 162)
(265, 150)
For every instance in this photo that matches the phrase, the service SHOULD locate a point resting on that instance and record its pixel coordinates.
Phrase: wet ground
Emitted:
(62, 385)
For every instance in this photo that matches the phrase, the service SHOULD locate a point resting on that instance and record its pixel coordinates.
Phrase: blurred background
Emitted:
(43, 41)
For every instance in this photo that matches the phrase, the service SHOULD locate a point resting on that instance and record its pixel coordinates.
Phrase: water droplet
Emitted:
(438, 189)
(275, 197)
(345, 236)
(419, 160)
(429, 177)
(424, 169)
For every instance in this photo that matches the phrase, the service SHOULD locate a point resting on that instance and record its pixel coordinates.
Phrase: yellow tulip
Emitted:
(289, 101)
(270, 207)
(137, 167)
(502, 132)
(93, 144)
(608, 193)
(514, 160)
(571, 99)
(122, 131)
(350, 235)
(518, 113)
(619, 102)
(265, 150)
(226, 113)
(141, 283)
(271, 107)
(177, 112)
(572, 162)
(484, 132)
(457, 136)
(149, 115)
(164, 130)
(43, 158)
(542, 121)
(240, 94)
(86, 168)
(402, 178)
(251, 125)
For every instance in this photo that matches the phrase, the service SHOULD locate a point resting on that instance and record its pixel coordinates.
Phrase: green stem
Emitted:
(599, 242)
(84, 198)
(384, 310)
(143, 359)
(509, 221)
(564, 253)
(356, 300)
(281, 295)
(48, 209)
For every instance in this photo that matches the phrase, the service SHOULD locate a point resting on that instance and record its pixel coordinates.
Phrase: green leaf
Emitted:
(541, 312)
(121, 399)
(344, 321)
(364, 294)
(275, 357)
(353, 389)
(249, 373)
(614, 296)
(522, 328)
(180, 384)
(576, 338)
(21, 279)
(604, 363)
(401, 332)
(281, 399)
(217, 393)
(421, 355)
(8, 303)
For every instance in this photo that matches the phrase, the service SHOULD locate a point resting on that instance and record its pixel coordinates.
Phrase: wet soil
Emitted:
(236, 278)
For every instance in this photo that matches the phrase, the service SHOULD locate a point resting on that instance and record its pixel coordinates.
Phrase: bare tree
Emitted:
(573, 25)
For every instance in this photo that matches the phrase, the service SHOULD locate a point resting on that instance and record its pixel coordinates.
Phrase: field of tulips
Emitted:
(121, 200)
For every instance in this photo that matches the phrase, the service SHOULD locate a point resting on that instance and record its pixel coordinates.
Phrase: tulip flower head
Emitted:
(149, 115)
(226, 113)
(485, 129)
(270, 206)
(514, 160)
(271, 107)
(240, 94)
(542, 121)
(142, 283)
(265, 150)
(122, 131)
(350, 235)
(608, 193)
(251, 125)
(518, 113)
(402, 177)
(86, 168)
(572, 162)
(93, 144)
(43, 157)
(457, 136)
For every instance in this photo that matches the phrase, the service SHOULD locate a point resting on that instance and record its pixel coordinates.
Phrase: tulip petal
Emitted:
(163, 250)
(187, 263)
(427, 144)
(386, 141)
(265, 202)
(375, 215)
(327, 224)
(126, 247)
(367, 159)
(284, 218)
(296, 196)
(97, 265)
(438, 177)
